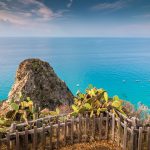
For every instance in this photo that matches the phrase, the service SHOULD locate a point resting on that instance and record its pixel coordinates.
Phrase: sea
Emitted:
(119, 65)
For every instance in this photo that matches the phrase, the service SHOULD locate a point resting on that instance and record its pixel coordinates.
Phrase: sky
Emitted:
(75, 18)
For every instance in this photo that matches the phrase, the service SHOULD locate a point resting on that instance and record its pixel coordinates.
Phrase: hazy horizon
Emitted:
(74, 37)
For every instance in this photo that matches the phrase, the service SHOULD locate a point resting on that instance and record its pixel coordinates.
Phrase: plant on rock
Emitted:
(95, 101)
(63, 111)
(21, 111)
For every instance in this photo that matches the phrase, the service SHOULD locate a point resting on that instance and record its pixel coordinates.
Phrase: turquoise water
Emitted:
(120, 65)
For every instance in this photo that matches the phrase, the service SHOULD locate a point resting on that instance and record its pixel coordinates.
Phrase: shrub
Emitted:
(95, 101)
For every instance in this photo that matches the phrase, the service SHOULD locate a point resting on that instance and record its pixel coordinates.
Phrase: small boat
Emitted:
(77, 85)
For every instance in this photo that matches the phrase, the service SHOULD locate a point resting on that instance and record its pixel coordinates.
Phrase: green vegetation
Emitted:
(93, 101)
(96, 101)
(21, 111)
(18, 111)
(46, 112)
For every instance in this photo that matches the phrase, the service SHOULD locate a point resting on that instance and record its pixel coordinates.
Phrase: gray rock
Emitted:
(36, 79)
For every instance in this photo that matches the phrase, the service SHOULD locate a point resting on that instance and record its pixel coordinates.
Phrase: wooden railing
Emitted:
(53, 132)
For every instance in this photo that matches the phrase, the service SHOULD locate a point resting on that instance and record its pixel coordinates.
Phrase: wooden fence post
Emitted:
(148, 138)
(100, 125)
(134, 121)
(113, 127)
(140, 139)
(107, 120)
(119, 131)
(125, 136)
(86, 127)
(79, 129)
(93, 126)
(26, 138)
(8, 141)
(51, 135)
(72, 129)
(17, 140)
(69, 128)
(35, 138)
(132, 139)
(58, 135)
(43, 137)
(65, 133)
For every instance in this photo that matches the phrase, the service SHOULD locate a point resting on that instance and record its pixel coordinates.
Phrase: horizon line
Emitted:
(74, 37)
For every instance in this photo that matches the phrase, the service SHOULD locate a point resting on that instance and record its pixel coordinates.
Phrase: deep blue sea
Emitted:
(119, 65)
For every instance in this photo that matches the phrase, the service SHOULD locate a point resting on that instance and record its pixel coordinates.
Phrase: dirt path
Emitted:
(103, 145)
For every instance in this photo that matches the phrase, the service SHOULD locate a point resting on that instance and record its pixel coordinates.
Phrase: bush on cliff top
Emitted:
(95, 101)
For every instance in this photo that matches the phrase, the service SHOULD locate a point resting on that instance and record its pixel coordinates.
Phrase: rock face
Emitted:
(36, 79)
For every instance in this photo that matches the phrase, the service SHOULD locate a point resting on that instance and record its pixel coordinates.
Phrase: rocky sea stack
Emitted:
(36, 79)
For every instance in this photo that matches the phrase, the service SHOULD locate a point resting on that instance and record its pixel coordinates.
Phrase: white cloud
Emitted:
(110, 5)
(29, 18)
(23, 12)
(2, 5)
(9, 17)
(70, 3)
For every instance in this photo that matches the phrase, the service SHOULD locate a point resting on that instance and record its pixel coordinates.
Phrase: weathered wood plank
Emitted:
(43, 137)
(106, 131)
(35, 138)
(65, 133)
(119, 132)
(113, 127)
(26, 138)
(79, 128)
(58, 135)
(8, 141)
(125, 136)
(50, 136)
(132, 139)
(100, 125)
(72, 130)
(140, 139)
(17, 140)
(86, 126)
(148, 138)
(93, 126)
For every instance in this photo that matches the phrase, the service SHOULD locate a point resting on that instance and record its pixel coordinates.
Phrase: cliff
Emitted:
(36, 79)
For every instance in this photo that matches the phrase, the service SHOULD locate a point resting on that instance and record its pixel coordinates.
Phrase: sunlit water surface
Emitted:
(120, 65)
